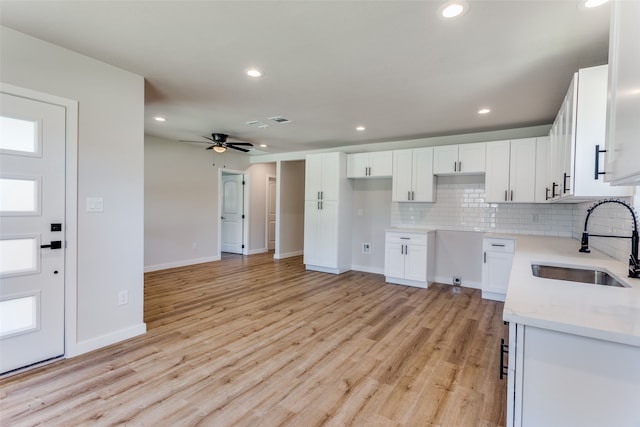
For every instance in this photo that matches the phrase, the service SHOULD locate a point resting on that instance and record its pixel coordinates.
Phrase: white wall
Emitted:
(181, 202)
(371, 215)
(110, 165)
(290, 209)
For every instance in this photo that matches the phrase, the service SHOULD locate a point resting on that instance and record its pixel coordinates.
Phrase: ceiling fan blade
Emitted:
(240, 143)
(210, 147)
(210, 139)
(238, 148)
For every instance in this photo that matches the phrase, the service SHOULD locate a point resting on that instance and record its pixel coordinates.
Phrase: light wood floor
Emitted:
(249, 341)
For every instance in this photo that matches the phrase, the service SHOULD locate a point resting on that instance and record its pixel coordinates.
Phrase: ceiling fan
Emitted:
(220, 143)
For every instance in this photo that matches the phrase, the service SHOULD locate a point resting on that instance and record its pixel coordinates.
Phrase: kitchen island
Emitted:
(574, 348)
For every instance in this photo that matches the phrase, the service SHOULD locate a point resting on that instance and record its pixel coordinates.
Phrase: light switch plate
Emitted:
(95, 204)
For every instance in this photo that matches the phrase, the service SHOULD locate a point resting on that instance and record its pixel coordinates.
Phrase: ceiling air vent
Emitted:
(280, 119)
(258, 124)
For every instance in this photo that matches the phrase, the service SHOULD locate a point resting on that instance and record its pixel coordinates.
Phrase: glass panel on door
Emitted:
(19, 135)
(19, 315)
(19, 195)
(19, 256)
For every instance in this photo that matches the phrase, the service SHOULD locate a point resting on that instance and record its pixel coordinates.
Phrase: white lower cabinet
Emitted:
(409, 257)
(497, 256)
(558, 379)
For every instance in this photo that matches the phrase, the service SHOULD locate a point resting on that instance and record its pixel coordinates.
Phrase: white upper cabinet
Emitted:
(413, 179)
(322, 177)
(378, 164)
(623, 119)
(542, 190)
(511, 171)
(577, 135)
(459, 159)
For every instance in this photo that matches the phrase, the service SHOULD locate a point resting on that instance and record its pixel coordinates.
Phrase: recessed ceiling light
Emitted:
(254, 73)
(453, 9)
(484, 111)
(594, 3)
(360, 128)
(160, 119)
(263, 145)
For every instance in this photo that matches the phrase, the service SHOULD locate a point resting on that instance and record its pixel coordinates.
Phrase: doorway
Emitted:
(33, 236)
(232, 212)
(271, 213)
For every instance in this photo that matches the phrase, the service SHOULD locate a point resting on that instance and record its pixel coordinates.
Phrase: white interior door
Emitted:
(271, 213)
(232, 221)
(32, 231)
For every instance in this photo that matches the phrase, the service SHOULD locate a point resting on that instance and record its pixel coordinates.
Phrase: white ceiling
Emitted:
(393, 66)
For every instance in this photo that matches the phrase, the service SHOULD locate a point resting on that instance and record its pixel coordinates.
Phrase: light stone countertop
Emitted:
(601, 312)
(410, 230)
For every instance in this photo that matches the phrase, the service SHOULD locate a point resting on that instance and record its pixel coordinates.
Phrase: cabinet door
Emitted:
(357, 165)
(394, 260)
(415, 266)
(542, 169)
(497, 175)
(402, 171)
(327, 234)
(331, 175)
(623, 167)
(472, 157)
(311, 231)
(445, 159)
(313, 177)
(522, 171)
(422, 176)
(381, 164)
(496, 270)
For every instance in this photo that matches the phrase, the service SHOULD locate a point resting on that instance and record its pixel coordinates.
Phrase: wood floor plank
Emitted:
(252, 341)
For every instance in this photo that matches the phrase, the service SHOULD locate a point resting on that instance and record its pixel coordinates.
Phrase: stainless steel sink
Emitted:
(592, 276)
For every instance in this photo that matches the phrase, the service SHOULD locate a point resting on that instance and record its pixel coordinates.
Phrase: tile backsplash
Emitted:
(460, 205)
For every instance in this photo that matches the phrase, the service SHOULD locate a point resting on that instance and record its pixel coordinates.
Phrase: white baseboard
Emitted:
(182, 263)
(368, 269)
(287, 254)
(105, 340)
(465, 283)
(257, 251)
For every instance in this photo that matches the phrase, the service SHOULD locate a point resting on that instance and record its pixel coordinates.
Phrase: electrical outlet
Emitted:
(457, 280)
(366, 248)
(123, 297)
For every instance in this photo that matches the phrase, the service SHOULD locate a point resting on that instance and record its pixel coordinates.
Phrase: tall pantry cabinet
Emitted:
(327, 209)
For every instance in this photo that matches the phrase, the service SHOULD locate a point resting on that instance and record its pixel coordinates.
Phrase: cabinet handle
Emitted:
(408, 195)
(318, 195)
(406, 249)
(318, 207)
(321, 195)
(546, 193)
(485, 257)
(512, 195)
(460, 166)
(505, 195)
(504, 350)
(455, 166)
(553, 190)
(564, 183)
(413, 196)
(500, 245)
(597, 172)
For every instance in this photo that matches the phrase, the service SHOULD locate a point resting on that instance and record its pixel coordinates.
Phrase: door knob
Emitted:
(55, 244)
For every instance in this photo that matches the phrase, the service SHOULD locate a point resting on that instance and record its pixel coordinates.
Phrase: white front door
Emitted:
(232, 213)
(32, 231)
(271, 213)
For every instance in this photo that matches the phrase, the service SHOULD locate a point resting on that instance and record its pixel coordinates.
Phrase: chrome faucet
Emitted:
(634, 263)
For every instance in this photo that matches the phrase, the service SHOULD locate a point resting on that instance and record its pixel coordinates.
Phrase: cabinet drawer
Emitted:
(407, 238)
(498, 245)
